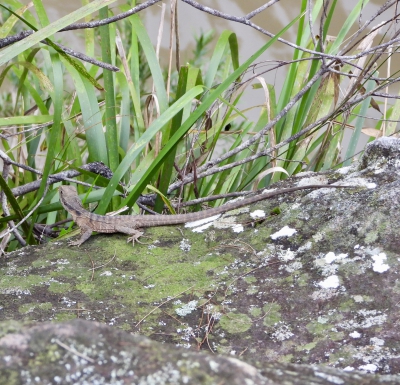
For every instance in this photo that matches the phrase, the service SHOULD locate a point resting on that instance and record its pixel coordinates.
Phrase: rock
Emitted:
(314, 281)
(82, 352)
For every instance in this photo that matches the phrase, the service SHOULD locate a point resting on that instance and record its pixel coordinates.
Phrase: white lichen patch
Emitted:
(369, 368)
(378, 264)
(295, 266)
(214, 366)
(377, 341)
(317, 237)
(258, 214)
(282, 332)
(268, 191)
(364, 319)
(200, 229)
(358, 298)
(286, 231)
(66, 302)
(185, 245)
(60, 262)
(267, 253)
(330, 257)
(286, 255)
(375, 356)
(355, 334)
(237, 228)
(331, 282)
(361, 182)
(305, 247)
(15, 291)
(186, 334)
(330, 378)
(187, 308)
(324, 294)
(219, 222)
(344, 170)
(202, 222)
(212, 311)
(225, 222)
(312, 179)
(328, 268)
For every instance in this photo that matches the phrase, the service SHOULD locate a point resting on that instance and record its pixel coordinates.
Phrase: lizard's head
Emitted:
(69, 198)
(67, 190)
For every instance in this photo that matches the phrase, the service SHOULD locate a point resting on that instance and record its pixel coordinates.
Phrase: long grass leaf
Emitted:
(9, 53)
(91, 116)
(218, 55)
(10, 22)
(351, 149)
(55, 132)
(111, 134)
(151, 57)
(24, 120)
(176, 122)
(17, 209)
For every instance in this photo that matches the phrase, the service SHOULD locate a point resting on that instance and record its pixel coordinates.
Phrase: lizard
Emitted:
(131, 224)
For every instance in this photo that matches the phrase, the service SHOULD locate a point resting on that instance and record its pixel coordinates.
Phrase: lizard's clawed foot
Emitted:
(74, 243)
(136, 236)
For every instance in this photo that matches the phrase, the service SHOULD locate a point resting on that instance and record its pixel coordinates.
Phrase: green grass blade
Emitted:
(151, 57)
(73, 62)
(6, 28)
(227, 37)
(10, 52)
(176, 122)
(351, 149)
(125, 113)
(40, 11)
(55, 132)
(17, 209)
(163, 198)
(91, 116)
(24, 120)
(320, 107)
(111, 134)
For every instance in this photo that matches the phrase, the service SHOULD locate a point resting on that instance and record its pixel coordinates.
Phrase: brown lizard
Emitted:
(131, 225)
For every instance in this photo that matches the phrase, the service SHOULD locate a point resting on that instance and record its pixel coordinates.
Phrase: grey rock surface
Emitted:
(81, 352)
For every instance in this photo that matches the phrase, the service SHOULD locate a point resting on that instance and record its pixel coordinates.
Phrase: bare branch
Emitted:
(260, 9)
(95, 167)
(13, 39)
(351, 44)
(84, 57)
(99, 23)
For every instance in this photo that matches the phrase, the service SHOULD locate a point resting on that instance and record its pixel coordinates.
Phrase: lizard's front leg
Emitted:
(86, 232)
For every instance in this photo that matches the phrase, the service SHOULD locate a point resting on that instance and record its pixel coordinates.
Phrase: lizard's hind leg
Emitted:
(134, 234)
